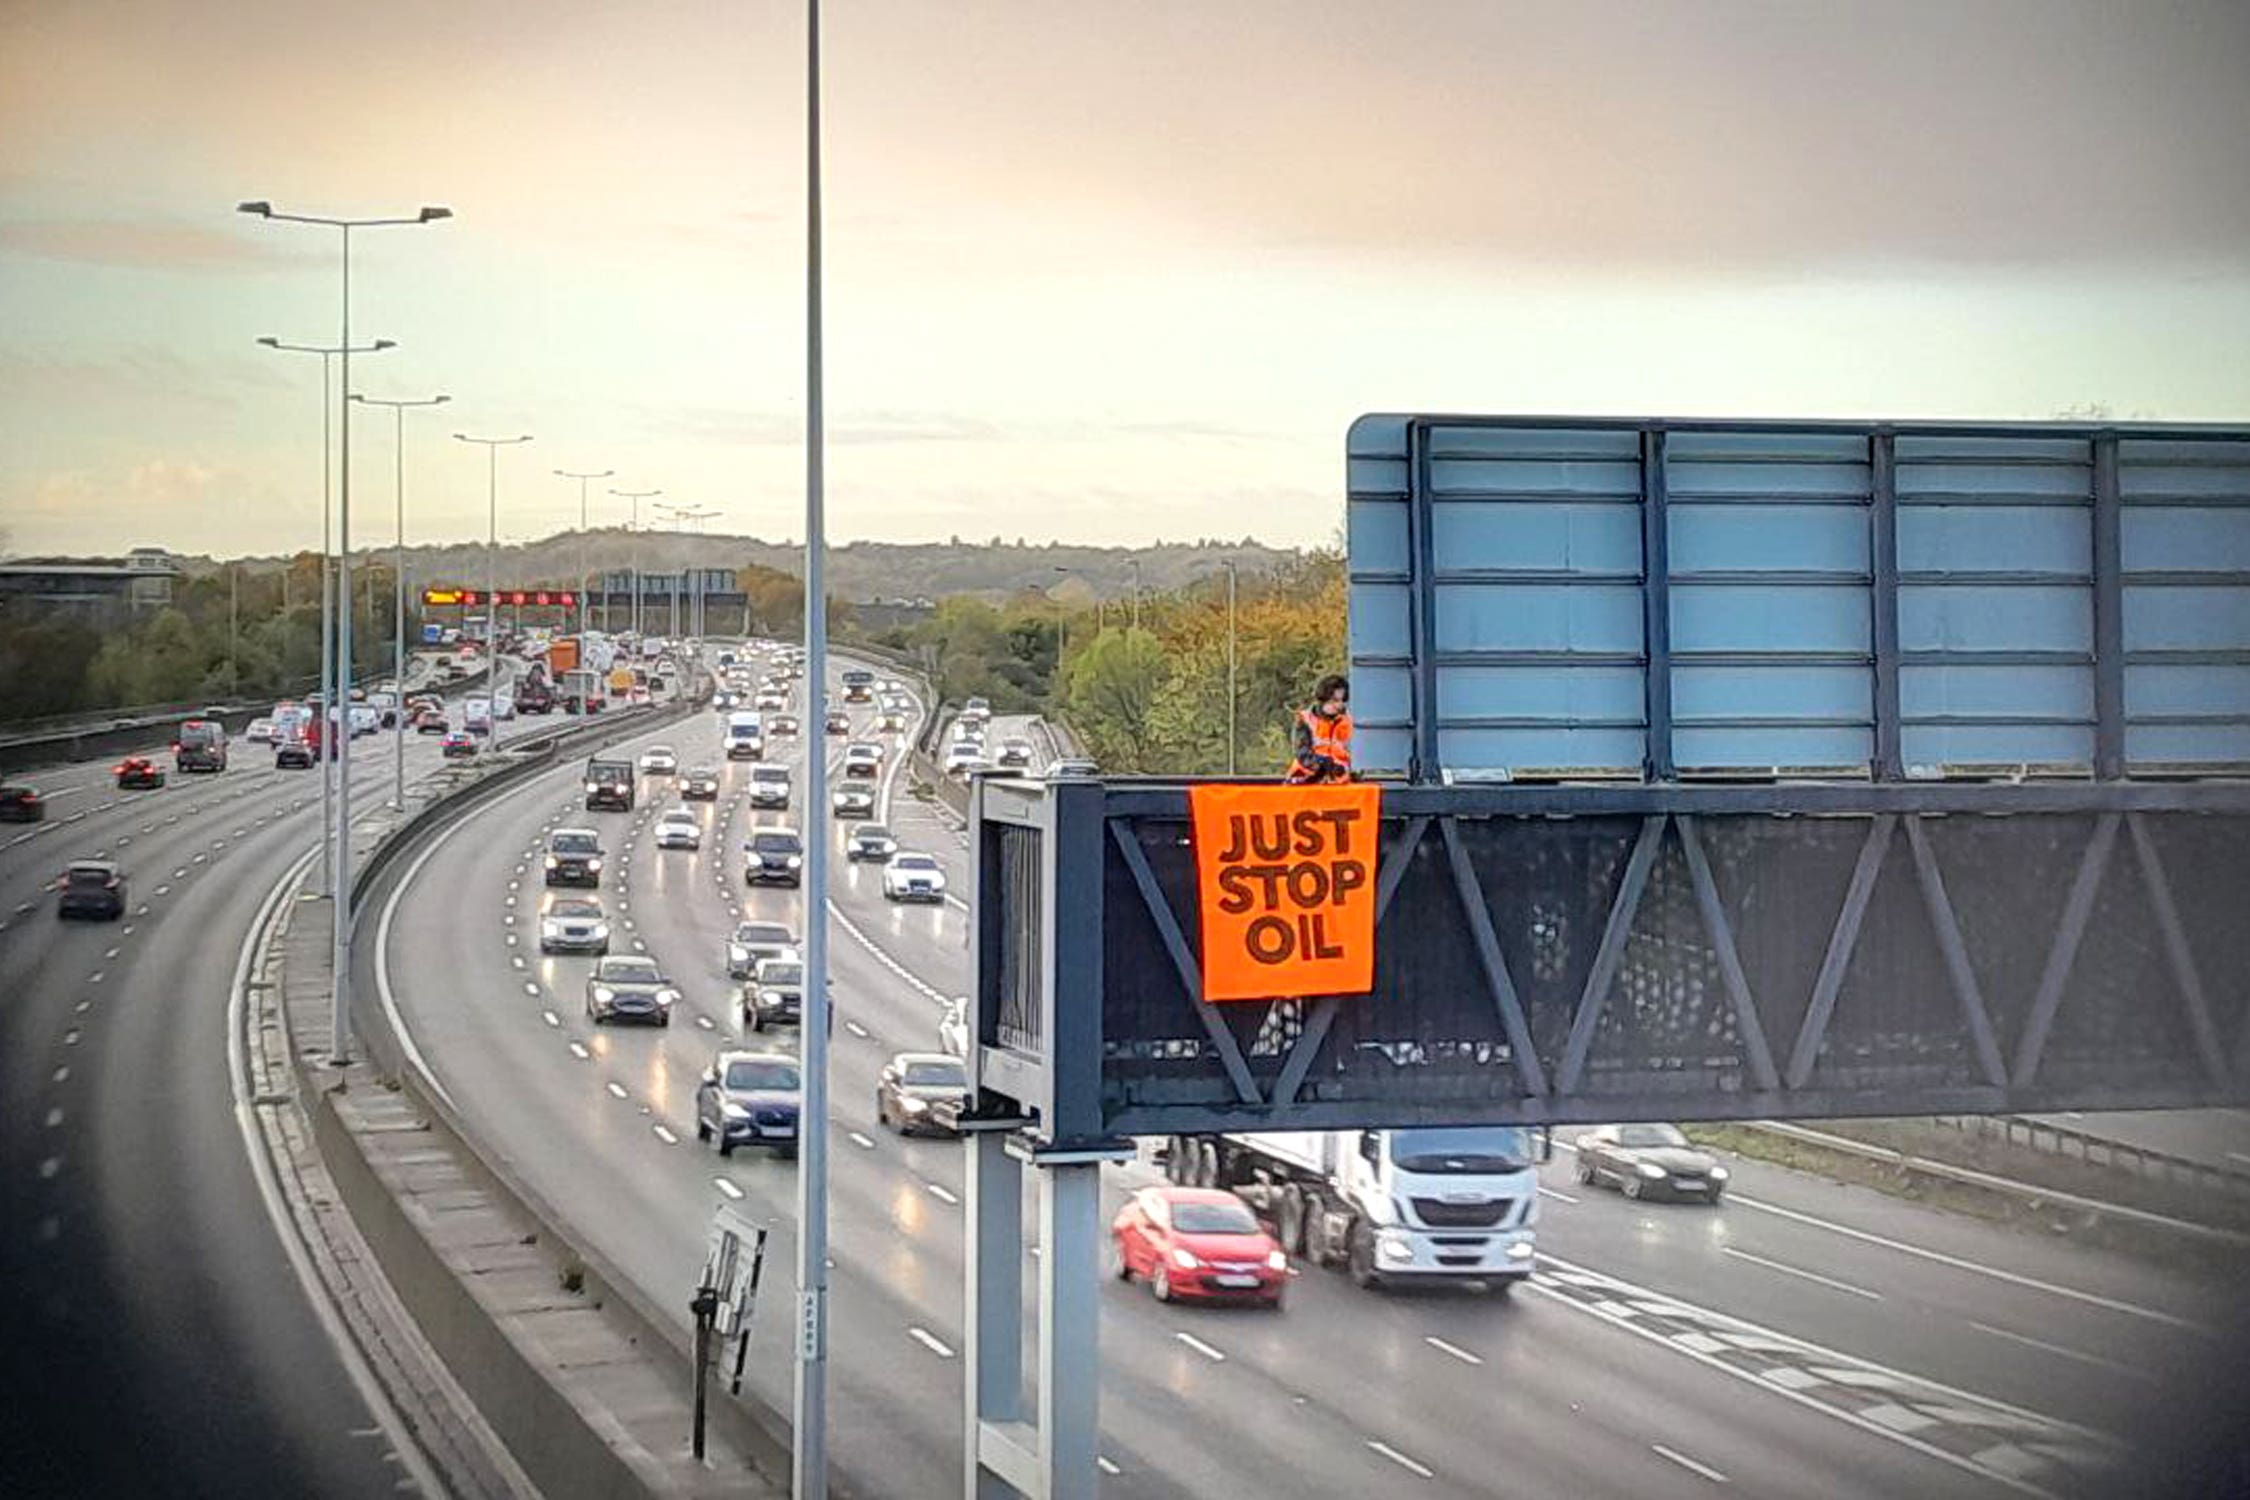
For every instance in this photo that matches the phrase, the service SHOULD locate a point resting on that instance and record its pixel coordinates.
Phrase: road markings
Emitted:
(1813, 1276)
(1395, 1456)
(1559, 1197)
(665, 1135)
(931, 1342)
(578, 1050)
(95, 977)
(61, 1074)
(50, 1166)
(54, 1117)
(2013, 1278)
(163, 890)
(531, 987)
(1455, 1350)
(861, 1141)
(1216, 1356)
(112, 953)
(70, 1037)
(2092, 1359)
(550, 1018)
(942, 1194)
(2240, 1156)
(705, 1023)
(726, 1187)
(517, 960)
(856, 1029)
(616, 1089)
(1688, 1463)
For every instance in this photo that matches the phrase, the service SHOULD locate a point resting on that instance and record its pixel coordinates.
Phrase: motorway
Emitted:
(153, 1334)
(1807, 1338)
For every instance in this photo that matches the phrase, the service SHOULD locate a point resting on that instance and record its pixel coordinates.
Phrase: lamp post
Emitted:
(1232, 696)
(636, 496)
(1136, 566)
(1099, 618)
(582, 590)
(327, 600)
(492, 447)
(341, 1023)
(676, 514)
(398, 585)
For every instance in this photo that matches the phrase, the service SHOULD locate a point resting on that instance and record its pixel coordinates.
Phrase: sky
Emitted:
(1096, 272)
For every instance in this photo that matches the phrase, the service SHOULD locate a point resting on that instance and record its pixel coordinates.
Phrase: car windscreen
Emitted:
(776, 843)
(762, 1074)
(773, 973)
(575, 911)
(609, 770)
(855, 789)
(1649, 1137)
(935, 1073)
(872, 833)
(88, 875)
(762, 932)
(1213, 1218)
(1462, 1151)
(771, 773)
(575, 843)
(630, 971)
(914, 862)
(200, 734)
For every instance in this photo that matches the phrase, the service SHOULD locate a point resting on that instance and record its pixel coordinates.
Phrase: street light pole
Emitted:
(1136, 565)
(582, 590)
(492, 447)
(398, 587)
(1233, 698)
(636, 496)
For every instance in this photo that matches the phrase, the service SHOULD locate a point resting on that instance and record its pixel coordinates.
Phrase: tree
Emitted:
(1114, 685)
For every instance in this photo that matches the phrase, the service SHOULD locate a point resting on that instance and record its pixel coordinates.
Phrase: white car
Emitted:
(961, 759)
(769, 787)
(476, 715)
(753, 941)
(953, 1027)
(913, 877)
(574, 925)
(770, 702)
(262, 732)
(659, 760)
(679, 829)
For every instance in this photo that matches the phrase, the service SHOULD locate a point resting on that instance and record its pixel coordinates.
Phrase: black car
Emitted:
(922, 1092)
(609, 784)
(1646, 1161)
(750, 1099)
(574, 857)
(699, 785)
(774, 856)
(870, 843)
(201, 746)
(775, 995)
(854, 798)
(839, 724)
(139, 773)
(629, 989)
(91, 888)
(21, 804)
(782, 724)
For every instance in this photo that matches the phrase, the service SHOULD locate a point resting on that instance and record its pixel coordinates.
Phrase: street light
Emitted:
(398, 583)
(492, 447)
(676, 514)
(341, 1023)
(636, 496)
(1135, 564)
(1100, 619)
(327, 598)
(1232, 580)
(582, 478)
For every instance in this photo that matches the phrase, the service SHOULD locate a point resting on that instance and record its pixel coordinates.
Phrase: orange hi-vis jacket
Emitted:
(1331, 741)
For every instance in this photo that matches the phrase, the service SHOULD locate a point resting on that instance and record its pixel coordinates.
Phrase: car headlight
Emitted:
(792, 862)
(593, 864)
(734, 1111)
(1651, 1169)
(1277, 1261)
(1184, 1258)
(601, 932)
(937, 882)
(667, 997)
(770, 997)
(593, 786)
(1718, 1174)
(552, 862)
(1519, 1250)
(604, 994)
(737, 955)
(1393, 1245)
(913, 1105)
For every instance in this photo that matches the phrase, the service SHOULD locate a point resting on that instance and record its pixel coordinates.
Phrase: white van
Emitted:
(476, 715)
(745, 737)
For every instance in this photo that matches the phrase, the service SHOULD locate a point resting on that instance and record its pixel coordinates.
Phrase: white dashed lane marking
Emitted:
(665, 1135)
(1688, 1463)
(726, 1187)
(1399, 1458)
(1455, 1350)
(931, 1342)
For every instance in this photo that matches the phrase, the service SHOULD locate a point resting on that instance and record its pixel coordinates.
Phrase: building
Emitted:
(93, 588)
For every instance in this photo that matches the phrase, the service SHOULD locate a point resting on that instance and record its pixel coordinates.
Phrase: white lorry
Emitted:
(745, 736)
(1456, 1204)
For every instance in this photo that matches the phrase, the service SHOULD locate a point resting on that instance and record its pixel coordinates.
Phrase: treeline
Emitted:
(1149, 696)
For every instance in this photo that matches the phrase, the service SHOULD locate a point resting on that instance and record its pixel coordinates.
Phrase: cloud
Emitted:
(146, 245)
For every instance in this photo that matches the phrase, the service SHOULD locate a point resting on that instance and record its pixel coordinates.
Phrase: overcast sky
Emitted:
(1100, 271)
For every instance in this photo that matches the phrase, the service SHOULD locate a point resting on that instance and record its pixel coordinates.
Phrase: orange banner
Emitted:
(1285, 878)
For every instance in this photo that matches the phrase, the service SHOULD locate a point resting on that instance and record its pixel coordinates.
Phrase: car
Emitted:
(753, 941)
(90, 888)
(783, 724)
(770, 700)
(1069, 767)
(679, 829)
(965, 760)
(659, 760)
(1013, 753)
(366, 721)
(609, 784)
(773, 856)
(294, 754)
(922, 1092)
(976, 709)
(775, 994)
(838, 723)
(953, 1027)
(476, 715)
(574, 924)
(1649, 1161)
(629, 988)
(723, 700)
(870, 843)
(458, 744)
(853, 799)
(261, 732)
(750, 1099)
(21, 804)
(862, 758)
(913, 877)
(700, 784)
(431, 721)
(138, 772)
(1196, 1244)
(769, 787)
(890, 723)
(503, 705)
(574, 857)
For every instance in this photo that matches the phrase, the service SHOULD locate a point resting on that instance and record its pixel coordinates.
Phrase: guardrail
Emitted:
(2097, 1150)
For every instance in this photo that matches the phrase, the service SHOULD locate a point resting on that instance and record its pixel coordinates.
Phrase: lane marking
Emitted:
(861, 1141)
(931, 1342)
(1216, 1356)
(1558, 1196)
(54, 1117)
(1397, 1457)
(1455, 1350)
(550, 1018)
(856, 1029)
(61, 1074)
(665, 1135)
(1688, 1463)
(531, 987)
(1812, 1276)
(2092, 1359)
(726, 1187)
(2013, 1278)
(942, 1194)
(578, 1050)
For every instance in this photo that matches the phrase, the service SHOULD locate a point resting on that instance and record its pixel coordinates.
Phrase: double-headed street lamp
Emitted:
(341, 1023)
(398, 582)
(636, 496)
(492, 447)
(327, 594)
(582, 590)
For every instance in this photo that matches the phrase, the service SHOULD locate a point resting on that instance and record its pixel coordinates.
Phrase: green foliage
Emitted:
(1116, 685)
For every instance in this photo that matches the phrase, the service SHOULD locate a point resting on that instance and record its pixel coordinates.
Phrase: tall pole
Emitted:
(234, 622)
(1232, 696)
(492, 447)
(582, 522)
(1136, 593)
(636, 496)
(398, 585)
(809, 1434)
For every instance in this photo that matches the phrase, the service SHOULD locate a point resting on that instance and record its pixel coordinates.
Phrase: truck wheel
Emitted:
(1360, 1259)
(1175, 1160)
(1207, 1167)
(1633, 1186)
(1290, 1221)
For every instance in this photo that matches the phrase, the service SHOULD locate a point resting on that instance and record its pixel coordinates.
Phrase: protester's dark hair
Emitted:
(1329, 686)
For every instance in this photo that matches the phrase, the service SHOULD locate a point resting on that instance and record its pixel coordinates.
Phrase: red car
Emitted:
(138, 771)
(456, 744)
(1198, 1243)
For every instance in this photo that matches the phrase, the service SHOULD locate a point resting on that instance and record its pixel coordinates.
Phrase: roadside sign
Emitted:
(433, 635)
(1285, 879)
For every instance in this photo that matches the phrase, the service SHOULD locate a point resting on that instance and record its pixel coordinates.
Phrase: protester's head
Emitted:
(1332, 694)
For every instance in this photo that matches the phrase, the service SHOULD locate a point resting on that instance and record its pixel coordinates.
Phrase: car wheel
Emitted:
(1290, 1221)
(752, 1019)
(602, 951)
(1160, 1285)
(1716, 1195)
(1584, 1171)
(665, 1021)
(1503, 1287)
(1633, 1186)
(726, 1147)
(785, 1153)
(702, 1129)
(1119, 1266)
(1175, 1150)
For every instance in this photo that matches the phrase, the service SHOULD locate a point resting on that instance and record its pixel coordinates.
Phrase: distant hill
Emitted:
(857, 570)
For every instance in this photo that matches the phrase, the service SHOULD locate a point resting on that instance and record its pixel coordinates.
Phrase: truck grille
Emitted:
(1441, 1215)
